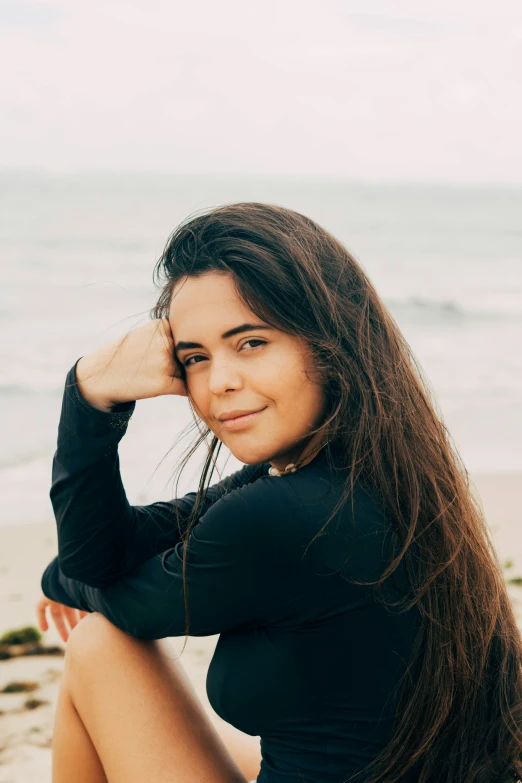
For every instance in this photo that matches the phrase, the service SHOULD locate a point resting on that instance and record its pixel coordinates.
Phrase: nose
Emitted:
(224, 376)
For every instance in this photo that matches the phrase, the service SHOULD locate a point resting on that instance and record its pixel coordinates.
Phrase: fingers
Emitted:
(71, 616)
(165, 332)
(59, 621)
(60, 613)
(40, 616)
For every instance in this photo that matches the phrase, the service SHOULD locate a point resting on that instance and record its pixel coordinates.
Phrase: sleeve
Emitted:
(245, 567)
(101, 536)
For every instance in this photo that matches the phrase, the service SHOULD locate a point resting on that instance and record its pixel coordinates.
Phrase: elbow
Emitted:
(74, 570)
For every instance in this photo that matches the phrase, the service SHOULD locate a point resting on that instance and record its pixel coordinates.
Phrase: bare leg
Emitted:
(140, 712)
(74, 755)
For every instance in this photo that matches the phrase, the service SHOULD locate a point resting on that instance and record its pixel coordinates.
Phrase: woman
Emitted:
(365, 630)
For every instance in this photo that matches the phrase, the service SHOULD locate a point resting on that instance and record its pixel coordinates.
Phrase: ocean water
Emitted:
(76, 258)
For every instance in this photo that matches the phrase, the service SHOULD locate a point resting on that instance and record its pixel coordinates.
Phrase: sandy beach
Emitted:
(25, 551)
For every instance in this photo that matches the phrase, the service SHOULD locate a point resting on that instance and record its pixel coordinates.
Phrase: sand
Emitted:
(25, 551)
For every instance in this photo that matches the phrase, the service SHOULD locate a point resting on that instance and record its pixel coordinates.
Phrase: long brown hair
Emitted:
(460, 719)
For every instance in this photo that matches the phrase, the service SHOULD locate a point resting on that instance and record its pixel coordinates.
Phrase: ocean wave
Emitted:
(423, 311)
(31, 388)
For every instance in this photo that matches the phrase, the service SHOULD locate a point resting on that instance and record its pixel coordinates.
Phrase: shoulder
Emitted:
(276, 519)
(276, 508)
(248, 505)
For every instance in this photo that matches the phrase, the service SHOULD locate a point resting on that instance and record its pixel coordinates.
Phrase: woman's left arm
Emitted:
(101, 536)
(244, 567)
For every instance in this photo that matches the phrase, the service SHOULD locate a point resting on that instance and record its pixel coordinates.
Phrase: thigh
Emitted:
(244, 748)
(141, 711)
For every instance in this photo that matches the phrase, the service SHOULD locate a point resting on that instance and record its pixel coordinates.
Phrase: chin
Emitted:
(251, 455)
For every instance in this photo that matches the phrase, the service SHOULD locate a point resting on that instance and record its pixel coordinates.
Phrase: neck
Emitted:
(302, 455)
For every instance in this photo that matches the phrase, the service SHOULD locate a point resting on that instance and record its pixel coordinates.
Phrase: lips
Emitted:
(238, 422)
(240, 415)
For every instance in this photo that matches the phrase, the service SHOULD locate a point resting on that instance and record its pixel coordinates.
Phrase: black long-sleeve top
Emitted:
(306, 659)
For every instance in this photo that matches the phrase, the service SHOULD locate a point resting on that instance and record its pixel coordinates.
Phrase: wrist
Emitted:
(88, 387)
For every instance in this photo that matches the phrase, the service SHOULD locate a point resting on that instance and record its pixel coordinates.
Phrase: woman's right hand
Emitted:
(60, 614)
(139, 365)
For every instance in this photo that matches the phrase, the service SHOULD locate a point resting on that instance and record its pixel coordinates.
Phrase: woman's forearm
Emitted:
(101, 537)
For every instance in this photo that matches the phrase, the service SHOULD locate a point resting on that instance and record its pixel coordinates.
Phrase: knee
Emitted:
(92, 638)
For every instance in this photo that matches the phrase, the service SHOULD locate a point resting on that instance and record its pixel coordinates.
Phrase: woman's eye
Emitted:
(186, 363)
(253, 340)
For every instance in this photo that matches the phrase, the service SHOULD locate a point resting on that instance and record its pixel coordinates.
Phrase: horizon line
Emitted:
(254, 175)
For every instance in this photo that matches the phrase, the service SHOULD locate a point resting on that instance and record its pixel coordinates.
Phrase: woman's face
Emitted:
(252, 369)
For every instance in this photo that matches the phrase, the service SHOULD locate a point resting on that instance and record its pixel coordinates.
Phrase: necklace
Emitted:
(291, 467)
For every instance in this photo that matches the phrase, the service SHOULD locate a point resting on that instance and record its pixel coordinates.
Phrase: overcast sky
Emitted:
(369, 89)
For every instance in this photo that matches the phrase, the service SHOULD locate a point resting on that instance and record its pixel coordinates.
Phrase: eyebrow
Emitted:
(180, 346)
